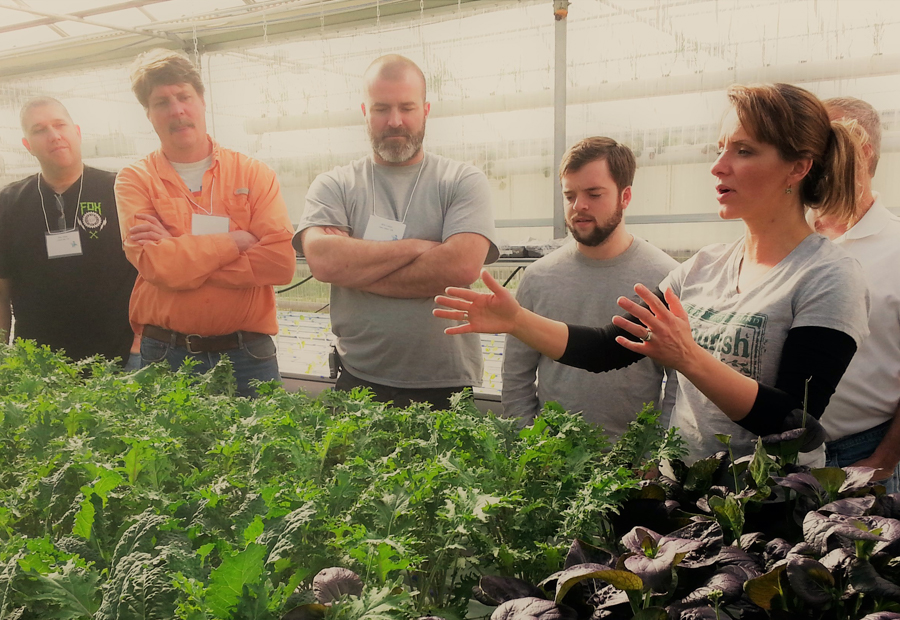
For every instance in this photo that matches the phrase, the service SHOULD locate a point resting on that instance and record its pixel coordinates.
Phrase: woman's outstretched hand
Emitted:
(485, 313)
(670, 341)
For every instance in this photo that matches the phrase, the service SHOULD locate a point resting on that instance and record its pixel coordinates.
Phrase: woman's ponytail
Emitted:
(832, 189)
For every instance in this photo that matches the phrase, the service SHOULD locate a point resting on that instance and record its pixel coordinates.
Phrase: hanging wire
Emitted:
(293, 286)
(196, 45)
(265, 29)
(210, 99)
(377, 14)
(322, 16)
(421, 25)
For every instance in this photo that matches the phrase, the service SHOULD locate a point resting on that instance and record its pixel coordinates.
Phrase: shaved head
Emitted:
(39, 102)
(393, 68)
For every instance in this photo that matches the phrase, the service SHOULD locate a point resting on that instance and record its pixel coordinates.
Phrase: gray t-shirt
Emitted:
(397, 342)
(817, 285)
(567, 286)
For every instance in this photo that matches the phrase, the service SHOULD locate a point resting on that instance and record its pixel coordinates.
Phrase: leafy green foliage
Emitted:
(646, 443)
(69, 594)
(160, 495)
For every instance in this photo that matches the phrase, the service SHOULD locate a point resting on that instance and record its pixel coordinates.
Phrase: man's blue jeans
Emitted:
(132, 363)
(852, 448)
(254, 360)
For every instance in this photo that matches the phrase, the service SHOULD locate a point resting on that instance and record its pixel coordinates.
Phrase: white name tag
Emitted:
(208, 224)
(60, 245)
(382, 229)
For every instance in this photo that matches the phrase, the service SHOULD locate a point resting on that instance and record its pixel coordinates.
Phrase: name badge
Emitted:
(62, 244)
(383, 229)
(208, 224)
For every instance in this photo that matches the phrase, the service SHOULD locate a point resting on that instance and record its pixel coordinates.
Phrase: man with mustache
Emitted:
(208, 231)
(391, 231)
(579, 283)
(61, 262)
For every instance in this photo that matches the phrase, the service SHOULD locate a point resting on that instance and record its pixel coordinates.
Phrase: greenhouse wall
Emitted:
(649, 73)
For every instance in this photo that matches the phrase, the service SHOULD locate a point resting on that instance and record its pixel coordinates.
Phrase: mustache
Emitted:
(395, 133)
(179, 124)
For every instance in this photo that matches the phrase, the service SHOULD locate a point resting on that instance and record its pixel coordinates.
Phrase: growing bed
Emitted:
(160, 495)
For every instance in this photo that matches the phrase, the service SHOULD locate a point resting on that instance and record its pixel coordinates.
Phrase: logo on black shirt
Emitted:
(92, 219)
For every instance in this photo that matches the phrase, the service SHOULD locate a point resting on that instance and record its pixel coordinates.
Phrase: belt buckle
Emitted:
(187, 343)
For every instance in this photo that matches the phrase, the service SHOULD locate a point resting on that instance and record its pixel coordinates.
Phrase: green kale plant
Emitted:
(155, 494)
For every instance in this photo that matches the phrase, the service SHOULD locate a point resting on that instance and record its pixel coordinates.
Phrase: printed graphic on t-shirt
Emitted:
(736, 339)
(91, 218)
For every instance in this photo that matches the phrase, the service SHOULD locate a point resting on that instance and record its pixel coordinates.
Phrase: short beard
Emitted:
(397, 153)
(601, 231)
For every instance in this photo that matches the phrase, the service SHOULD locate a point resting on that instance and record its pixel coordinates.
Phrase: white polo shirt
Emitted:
(869, 392)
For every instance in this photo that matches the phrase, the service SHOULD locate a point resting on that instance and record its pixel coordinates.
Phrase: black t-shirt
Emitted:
(75, 303)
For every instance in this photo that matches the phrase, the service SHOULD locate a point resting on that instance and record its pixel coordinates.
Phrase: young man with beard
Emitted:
(579, 284)
(389, 232)
(208, 231)
(61, 262)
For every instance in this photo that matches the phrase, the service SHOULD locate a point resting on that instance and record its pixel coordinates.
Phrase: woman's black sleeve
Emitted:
(818, 354)
(595, 348)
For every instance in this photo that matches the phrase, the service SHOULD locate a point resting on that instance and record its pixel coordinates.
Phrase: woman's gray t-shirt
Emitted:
(817, 284)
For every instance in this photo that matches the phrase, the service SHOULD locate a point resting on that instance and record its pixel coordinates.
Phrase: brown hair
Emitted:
(619, 158)
(864, 114)
(162, 67)
(795, 122)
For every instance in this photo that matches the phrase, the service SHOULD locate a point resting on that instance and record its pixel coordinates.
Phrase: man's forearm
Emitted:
(887, 454)
(357, 263)
(271, 261)
(455, 263)
(181, 263)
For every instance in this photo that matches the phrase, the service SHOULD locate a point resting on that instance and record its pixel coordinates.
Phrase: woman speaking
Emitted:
(755, 328)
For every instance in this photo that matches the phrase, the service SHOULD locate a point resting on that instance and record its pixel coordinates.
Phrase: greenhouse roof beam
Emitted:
(221, 30)
(73, 18)
(290, 21)
(109, 8)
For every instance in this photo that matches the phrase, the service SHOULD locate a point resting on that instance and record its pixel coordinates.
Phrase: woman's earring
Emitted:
(788, 190)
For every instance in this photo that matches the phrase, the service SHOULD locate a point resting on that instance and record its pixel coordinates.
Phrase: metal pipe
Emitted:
(823, 71)
(560, 13)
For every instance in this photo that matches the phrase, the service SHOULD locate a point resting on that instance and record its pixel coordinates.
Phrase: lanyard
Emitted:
(411, 194)
(44, 209)
(212, 191)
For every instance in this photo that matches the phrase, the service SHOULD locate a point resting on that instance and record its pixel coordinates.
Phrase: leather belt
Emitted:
(195, 343)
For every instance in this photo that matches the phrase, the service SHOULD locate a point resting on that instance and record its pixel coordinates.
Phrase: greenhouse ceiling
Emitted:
(47, 35)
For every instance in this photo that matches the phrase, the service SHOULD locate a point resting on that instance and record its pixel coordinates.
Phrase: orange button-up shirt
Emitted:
(203, 284)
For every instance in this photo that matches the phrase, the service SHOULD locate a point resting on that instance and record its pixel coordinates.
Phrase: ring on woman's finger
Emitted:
(648, 337)
(465, 316)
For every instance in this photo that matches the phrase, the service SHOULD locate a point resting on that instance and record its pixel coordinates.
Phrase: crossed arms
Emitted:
(408, 268)
(170, 258)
